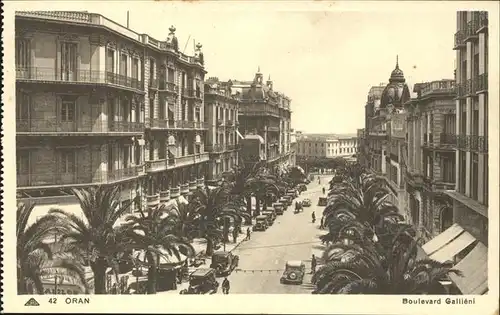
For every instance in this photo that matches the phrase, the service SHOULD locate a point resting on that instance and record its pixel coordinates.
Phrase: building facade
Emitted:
(221, 114)
(99, 104)
(375, 132)
(430, 156)
(470, 199)
(266, 113)
(326, 146)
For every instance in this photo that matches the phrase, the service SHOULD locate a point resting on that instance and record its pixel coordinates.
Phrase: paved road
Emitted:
(292, 237)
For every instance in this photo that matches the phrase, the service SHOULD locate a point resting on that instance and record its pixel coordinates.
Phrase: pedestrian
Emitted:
(235, 235)
(313, 264)
(321, 222)
(313, 217)
(225, 286)
(323, 190)
(248, 234)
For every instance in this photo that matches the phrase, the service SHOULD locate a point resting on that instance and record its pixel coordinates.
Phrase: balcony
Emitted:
(200, 182)
(153, 84)
(482, 144)
(379, 133)
(273, 129)
(157, 123)
(156, 165)
(57, 179)
(184, 189)
(192, 93)
(443, 185)
(220, 122)
(473, 142)
(167, 86)
(186, 124)
(192, 185)
(470, 32)
(482, 22)
(438, 88)
(90, 77)
(462, 142)
(201, 157)
(200, 125)
(175, 192)
(164, 196)
(230, 122)
(215, 148)
(481, 83)
(184, 160)
(171, 162)
(459, 39)
(447, 139)
(258, 109)
(50, 127)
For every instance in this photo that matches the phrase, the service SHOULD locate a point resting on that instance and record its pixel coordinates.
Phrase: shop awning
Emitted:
(451, 249)
(442, 239)
(475, 271)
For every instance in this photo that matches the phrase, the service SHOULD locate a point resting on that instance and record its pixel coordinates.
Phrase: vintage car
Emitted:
(260, 223)
(294, 272)
(279, 208)
(292, 192)
(269, 217)
(270, 212)
(306, 202)
(302, 187)
(322, 202)
(202, 281)
(224, 263)
(287, 199)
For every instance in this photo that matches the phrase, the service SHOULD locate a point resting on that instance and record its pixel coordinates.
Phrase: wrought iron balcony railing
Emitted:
(167, 86)
(481, 83)
(47, 179)
(448, 139)
(462, 142)
(483, 21)
(76, 127)
(482, 144)
(51, 74)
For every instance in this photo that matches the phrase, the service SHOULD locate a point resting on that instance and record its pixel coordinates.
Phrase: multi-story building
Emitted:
(361, 154)
(430, 156)
(99, 104)
(266, 113)
(221, 113)
(465, 242)
(326, 146)
(375, 132)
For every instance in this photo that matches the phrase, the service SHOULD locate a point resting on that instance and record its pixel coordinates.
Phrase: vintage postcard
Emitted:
(224, 156)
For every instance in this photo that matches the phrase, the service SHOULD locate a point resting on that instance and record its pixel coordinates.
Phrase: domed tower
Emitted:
(396, 93)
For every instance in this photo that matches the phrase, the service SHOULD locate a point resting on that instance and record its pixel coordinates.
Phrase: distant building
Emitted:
(265, 112)
(326, 146)
(222, 141)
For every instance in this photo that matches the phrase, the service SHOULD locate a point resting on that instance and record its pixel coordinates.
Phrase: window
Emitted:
(22, 162)
(68, 61)
(23, 103)
(126, 156)
(68, 161)
(135, 68)
(110, 60)
(123, 65)
(68, 111)
(474, 177)
(23, 59)
(111, 158)
(137, 155)
(152, 69)
(171, 75)
(162, 150)
(448, 169)
(463, 168)
(197, 114)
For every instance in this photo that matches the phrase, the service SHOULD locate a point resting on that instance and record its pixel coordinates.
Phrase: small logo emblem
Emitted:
(32, 302)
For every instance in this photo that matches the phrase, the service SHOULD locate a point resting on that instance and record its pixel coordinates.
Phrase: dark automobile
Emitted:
(306, 202)
(260, 223)
(224, 263)
(279, 208)
(322, 202)
(302, 187)
(202, 281)
(294, 272)
(269, 217)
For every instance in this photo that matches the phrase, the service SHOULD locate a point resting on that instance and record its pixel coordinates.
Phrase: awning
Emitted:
(475, 271)
(258, 137)
(451, 249)
(239, 134)
(442, 239)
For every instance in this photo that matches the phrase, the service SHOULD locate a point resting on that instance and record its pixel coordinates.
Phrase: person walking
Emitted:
(225, 286)
(321, 222)
(313, 217)
(323, 190)
(313, 264)
(248, 234)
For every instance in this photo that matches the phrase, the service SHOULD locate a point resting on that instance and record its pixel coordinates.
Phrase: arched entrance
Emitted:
(446, 219)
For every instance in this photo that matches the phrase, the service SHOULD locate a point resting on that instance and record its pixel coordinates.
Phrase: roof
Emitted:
(294, 263)
(201, 272)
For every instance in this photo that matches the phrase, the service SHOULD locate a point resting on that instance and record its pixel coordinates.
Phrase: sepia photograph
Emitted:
(179, 149)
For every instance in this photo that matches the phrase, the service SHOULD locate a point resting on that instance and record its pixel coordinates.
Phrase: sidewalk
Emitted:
(200, 246)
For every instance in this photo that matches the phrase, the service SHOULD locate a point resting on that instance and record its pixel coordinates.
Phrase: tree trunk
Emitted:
(21, 284)
(226, 231)
(210, 247)
(257, 206)
(152, 276)
(249, 210)
(99, 270)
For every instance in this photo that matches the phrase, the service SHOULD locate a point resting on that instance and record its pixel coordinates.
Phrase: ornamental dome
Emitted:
(396, 93)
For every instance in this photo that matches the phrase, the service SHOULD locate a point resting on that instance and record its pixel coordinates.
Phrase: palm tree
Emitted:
(95, 237)
(154, 233)
(363, 273)
(211, 209)
(32, 252)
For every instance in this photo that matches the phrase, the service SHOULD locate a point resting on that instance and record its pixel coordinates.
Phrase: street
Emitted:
(291, 237)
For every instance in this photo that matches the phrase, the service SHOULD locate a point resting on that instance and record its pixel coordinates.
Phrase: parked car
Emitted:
(260, 223)
(302, 187)
(202, 281)
(294, 272)
(270, 212)
(224, 263)
(322, 202)
(279, 208)
(292, 192)
(269, 218)
(306, 202)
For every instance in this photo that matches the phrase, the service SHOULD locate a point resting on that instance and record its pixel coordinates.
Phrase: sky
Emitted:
(325, 61)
